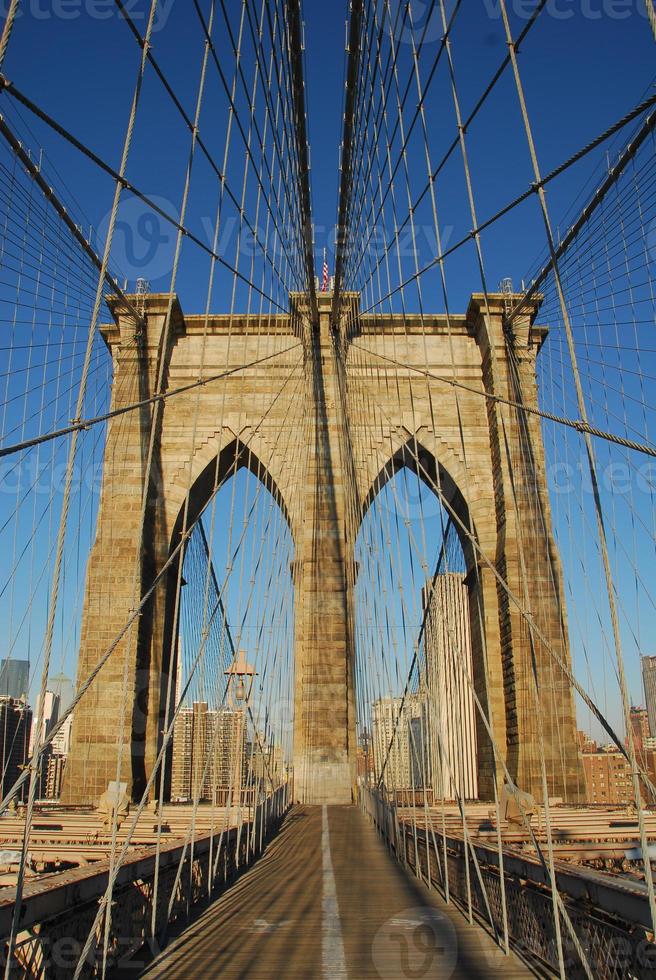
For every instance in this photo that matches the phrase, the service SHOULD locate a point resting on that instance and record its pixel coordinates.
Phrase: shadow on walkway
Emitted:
(275, 921)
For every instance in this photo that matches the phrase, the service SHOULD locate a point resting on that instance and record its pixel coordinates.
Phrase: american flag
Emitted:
(324, 284)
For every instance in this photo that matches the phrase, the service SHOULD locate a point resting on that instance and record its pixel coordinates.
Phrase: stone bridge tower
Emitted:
(496, 487)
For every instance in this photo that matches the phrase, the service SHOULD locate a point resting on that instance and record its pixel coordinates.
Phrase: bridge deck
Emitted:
(326, 900)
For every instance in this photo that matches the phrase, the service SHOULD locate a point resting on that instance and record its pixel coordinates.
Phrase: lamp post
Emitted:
(241, 677)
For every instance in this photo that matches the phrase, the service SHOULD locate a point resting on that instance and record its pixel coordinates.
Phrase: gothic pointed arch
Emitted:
(416, 457)
(232, 458)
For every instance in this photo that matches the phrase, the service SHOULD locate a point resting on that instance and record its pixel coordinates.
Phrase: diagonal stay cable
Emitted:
(137, 612)
(611, 178)
(86, 151)
(579, 424)
(50, 195)
(535, 187)
(189, 123)
(88, 423)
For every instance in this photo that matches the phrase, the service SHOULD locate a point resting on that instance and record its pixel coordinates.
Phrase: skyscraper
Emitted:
(209, 753)
(447, 677)
(49, 720)
(639, 720)
(231, 758)
(399, 740)
(53, 775)
(14, 678)
(419, 743)
(62, 686)
(649, 683)
(15, 731)
(181, 759)
(61, 742)
(50, 716)
(55, 762)
(390, 744)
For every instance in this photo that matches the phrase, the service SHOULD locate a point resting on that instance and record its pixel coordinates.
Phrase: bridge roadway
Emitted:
(326, 900)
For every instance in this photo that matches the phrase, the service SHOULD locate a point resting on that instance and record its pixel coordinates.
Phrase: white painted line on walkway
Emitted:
(332, 947)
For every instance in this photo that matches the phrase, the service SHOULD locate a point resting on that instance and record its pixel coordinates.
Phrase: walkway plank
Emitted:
(331, 903)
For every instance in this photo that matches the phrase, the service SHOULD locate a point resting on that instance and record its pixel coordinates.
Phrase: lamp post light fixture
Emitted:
(241, 677)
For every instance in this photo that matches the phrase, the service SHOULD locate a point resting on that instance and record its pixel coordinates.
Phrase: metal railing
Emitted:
(59, 910)
(610, 915)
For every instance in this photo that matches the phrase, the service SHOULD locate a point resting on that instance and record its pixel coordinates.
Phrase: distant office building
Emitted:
(607, 777)
(399, 739)
(586, 742)
(15, 733)
(52, 776)
(61, 742)
(231, 754)
(639, 721)
(447, 677)
(390, 744)
(55, 755)
(181, 759)
(419, 745)
(365, 759)
(14, 678)
(649, 684)
(50, 717)
(49, 720)
(63, 687)
(209, 759)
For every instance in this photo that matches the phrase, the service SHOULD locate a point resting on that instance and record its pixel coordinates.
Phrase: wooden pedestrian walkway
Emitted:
(326, 900)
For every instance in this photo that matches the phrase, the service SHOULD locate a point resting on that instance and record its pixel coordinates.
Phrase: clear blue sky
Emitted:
(583, 66)
(580, 72)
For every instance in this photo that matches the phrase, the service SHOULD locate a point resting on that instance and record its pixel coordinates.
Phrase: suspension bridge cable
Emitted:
(506, 209)
(85, 424)
(579, 424)
(134, 614)
(57, 569)
(610, 586)
(9, 87)
(52, 198)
